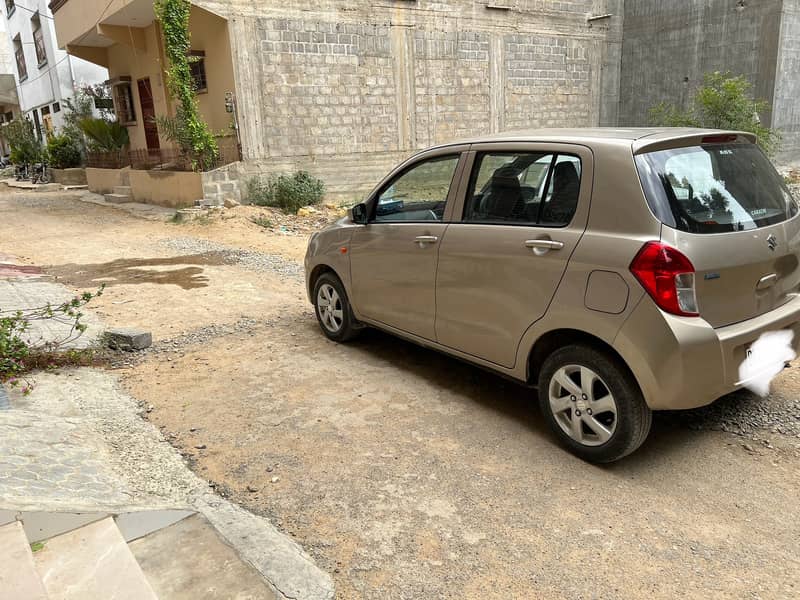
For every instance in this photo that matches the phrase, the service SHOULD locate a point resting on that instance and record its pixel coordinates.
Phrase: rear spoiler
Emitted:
(690, 137)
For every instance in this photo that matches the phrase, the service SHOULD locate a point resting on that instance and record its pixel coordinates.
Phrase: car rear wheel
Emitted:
(333, 309)
(593, 404)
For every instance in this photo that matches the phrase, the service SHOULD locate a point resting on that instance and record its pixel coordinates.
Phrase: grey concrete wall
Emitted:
(345, 90)
(669, 45)
(786, 109)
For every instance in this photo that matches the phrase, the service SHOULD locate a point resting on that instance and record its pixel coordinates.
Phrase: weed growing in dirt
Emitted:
(19, 355)
(287, 192)
(262, 222)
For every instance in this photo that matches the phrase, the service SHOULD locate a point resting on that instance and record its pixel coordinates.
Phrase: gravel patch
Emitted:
(249, 259)
(743, 413)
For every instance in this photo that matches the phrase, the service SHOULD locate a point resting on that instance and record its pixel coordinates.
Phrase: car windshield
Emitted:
(714, 188)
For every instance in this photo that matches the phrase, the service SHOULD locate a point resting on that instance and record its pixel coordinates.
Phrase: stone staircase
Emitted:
(129, 557)
(120, 195)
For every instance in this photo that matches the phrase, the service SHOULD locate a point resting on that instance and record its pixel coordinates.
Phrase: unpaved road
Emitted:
(407, 474)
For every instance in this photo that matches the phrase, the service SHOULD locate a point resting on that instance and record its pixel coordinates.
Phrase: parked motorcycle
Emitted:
(40, 173)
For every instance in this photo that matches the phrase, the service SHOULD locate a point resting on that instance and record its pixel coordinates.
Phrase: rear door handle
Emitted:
(544, 244)
(425, 239)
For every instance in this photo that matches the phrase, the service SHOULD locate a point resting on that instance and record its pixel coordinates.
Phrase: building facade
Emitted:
(9, 103)
(45, 75)
(669, 46)
(345, 90)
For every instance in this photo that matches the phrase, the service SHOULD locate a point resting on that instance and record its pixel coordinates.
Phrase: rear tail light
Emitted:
(668, 276)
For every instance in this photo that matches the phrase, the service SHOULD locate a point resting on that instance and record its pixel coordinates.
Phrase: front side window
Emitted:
(715, 188)
(523, 188)
(419, 194)
(10, 7)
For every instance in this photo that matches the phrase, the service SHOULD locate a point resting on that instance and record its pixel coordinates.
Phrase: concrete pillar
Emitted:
(497, 83)
(402, 45)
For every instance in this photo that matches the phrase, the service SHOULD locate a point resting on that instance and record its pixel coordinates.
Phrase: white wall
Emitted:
(59, 77)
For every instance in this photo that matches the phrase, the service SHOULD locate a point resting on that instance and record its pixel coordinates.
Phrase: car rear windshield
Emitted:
(714, 188)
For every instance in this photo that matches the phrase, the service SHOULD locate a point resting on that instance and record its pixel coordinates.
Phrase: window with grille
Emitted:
(123, 102)
(38, 40)
(19, 55)
(197, 64)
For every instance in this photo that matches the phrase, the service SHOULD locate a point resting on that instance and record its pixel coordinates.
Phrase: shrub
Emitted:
(287, 192)
(25, 146)
(722, 102)
(63, 152)
(105, 136)
(18, 355)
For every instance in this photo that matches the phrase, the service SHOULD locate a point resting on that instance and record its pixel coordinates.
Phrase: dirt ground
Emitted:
(407, 474)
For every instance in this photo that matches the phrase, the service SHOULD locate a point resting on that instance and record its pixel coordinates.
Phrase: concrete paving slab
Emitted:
(188, 560)
(18, 577)
(134, 525)
(92, 563)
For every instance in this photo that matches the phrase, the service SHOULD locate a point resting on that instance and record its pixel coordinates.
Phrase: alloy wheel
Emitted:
(329, 305)
(582, 405)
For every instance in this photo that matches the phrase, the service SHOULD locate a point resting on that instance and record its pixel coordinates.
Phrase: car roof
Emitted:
(595, 136)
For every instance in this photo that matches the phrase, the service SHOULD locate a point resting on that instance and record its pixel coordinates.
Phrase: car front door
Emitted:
(393, 257)
(522, 210)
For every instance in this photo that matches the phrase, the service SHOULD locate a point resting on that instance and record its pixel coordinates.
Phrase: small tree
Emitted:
(722, 102)
(189, 130)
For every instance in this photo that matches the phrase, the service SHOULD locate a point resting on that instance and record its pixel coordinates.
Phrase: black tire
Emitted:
(348, 328)
(633, 417)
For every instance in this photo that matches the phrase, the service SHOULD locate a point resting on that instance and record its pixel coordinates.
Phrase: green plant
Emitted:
(19, 355)
(25, 146)
(37, 547)
(63, 152)
(189, 130)
(80, 107)
(287, 192)
(262, 221)
(105, 136)
(722, 102)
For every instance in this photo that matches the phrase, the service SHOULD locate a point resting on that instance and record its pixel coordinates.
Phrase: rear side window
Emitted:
(523, 188)
(714, 188)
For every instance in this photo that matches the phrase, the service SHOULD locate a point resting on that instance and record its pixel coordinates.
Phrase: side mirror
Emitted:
(359, 214)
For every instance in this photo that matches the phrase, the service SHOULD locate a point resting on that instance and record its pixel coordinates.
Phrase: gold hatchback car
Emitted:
(619, 271)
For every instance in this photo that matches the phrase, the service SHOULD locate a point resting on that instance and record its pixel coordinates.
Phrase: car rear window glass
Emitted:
(714, 188)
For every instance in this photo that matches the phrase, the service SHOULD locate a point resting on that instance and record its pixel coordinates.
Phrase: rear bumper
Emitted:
(683, 362)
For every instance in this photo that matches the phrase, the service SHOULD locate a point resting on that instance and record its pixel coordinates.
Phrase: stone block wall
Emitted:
(786, 105)
(669, 46)
(223, 184)
(347, 89)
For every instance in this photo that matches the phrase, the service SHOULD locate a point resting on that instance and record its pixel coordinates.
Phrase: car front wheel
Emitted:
(333, 309)
(593, 404)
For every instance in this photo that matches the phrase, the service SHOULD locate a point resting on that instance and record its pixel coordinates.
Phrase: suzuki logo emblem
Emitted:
(772, 242)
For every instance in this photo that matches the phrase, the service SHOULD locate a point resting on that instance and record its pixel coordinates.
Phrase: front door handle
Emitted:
(425, 239)
(544, 244)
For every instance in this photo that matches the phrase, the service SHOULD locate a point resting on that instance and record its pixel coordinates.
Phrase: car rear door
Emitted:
(393, 257)
(730, 213)
(522, 210)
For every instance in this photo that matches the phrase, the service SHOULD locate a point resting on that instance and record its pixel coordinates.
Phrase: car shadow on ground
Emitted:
(474, 385)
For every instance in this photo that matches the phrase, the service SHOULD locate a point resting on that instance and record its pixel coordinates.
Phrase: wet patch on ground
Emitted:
(189, 274)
